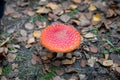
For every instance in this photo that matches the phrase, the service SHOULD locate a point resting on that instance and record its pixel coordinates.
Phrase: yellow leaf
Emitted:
(92, 8)
(40, 10)
(36, 34)
(96, 17)
(52, 5)
(73, 6)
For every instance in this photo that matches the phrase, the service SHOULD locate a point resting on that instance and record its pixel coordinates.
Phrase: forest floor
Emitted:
(22, 57)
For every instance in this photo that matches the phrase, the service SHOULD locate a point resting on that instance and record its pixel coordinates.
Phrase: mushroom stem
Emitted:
(59, 55)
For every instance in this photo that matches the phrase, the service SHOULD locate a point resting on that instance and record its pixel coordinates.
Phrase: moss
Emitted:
(37, 17)
(6, 70)
(73, 12)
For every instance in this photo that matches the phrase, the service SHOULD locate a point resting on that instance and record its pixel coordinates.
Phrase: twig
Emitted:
(3, 43)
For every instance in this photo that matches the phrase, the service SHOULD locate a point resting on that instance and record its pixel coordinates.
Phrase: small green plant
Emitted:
(49, 75)
(95, 31)
(37, 17)
(112, 50)
(6, 70)
(72, 13)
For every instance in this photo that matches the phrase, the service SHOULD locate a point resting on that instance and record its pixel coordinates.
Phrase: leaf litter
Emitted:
(97, 21)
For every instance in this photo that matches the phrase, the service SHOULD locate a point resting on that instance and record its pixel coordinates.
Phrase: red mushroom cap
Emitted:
(60, 38)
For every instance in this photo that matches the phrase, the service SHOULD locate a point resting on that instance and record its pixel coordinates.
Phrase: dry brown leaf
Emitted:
(64, 18)
(73, 6)
(74, 78)
(83, 63)
(117, 69)
(35, 59)
(15, 15)
(9, 10)
(69, 55)
(57, 63)
(93, 49)
(96, 17)
(57, 78)
(67, 61)
(3, 78)
(52, 5)
(14, 65)
(43, 10)
(23, 32)
(91, 61)
(11, 57)
(83, 20)
(22, 39)
(107, 63)
(77, 1)
(77, 22)
(17, 78)
(36, 34)
(40, 24)
(60, 72)
(29, 12)
(89, 35)
(92, 8)
(29, 26)
(31, 39)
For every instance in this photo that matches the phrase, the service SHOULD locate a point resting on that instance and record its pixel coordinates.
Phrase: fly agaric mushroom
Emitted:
(60, 38)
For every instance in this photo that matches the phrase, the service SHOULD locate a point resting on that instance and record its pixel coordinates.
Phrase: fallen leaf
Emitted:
(52, 5)
(29, 26)
(43, 10)
(60, 72)
(22, 39)
(93, 49)
(107, 63)
(23, 32)
(11, 57)
(117, 69)
(77, 22)
(83, 63)
(69, 55)
(84, 21)
(70, 70)
(58, 11)
(36, 34)
(3, 78)
(53, 17)
(31, 39)
(73, 6)
(68, 61)
(89, 35)
(91, 61)
(82, 76)
(15, 15)
(29, 12)
(17, 78)
(35, 59)
(56, 63)
(74, 78)
(14, 65)
(57, 78)
(92, 8)
(40, 24)
(65, 18)
(96, 17)
(9, 10)
(77, 1)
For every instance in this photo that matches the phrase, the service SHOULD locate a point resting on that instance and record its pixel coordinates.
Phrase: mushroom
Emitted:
(60, 38)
